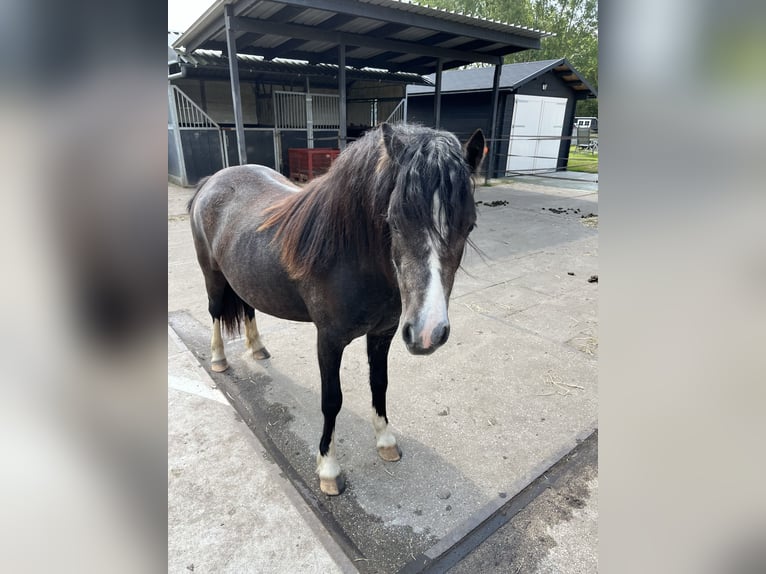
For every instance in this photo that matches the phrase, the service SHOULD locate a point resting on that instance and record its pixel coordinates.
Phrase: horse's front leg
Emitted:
(377, 355)
(330, 353)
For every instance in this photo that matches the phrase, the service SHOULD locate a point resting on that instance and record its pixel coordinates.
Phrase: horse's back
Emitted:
(225, 216)
(253, 174)
(235, 197)
(244, 184)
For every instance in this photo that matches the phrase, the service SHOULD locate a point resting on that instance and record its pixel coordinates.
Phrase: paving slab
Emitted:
(512, 391)
(229, 510)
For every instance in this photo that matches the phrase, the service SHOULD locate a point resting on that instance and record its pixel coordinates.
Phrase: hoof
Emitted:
(332, 486)
(261, 354)
(389, 453)
(219, 366)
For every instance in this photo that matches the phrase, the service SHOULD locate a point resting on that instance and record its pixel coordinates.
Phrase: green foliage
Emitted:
(587, 109)
(582, 160)
(575, 23)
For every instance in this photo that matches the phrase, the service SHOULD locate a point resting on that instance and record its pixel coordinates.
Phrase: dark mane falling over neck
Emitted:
(343, 214)
(339, 214)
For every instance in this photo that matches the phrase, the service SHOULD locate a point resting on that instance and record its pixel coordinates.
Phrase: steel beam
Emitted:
(231, 45)
(342, 132)
(493, 126)
(438, 95)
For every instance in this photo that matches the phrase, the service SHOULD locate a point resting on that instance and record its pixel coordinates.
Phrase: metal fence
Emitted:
(302, 111)
(399, 115)
(539, 155)
(325, 109)
(189, 114)
(290, 110)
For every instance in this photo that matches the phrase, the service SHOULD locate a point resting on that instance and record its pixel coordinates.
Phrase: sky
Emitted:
(183, 13)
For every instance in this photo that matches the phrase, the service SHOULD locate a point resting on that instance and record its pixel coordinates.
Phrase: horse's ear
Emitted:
(393, 144)
(474, 150)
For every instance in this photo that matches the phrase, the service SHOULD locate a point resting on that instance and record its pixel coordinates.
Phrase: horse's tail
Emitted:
(232, 311)
(200, 185)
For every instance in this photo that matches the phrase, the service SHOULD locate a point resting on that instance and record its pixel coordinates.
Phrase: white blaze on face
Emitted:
(434, 309)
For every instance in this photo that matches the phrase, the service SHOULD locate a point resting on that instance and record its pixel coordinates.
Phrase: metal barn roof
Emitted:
(512, 76)
(212, 64)
(390, 35)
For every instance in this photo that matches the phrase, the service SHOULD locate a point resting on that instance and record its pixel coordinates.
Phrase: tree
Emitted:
(574, 23)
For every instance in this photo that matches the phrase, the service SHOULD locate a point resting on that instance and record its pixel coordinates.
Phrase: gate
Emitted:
(199, 140)
(306, 112)
(300, 117)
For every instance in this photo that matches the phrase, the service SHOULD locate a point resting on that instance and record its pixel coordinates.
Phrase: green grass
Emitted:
(582, 160)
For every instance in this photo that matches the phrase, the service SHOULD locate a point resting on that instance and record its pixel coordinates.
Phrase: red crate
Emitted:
(306, 164)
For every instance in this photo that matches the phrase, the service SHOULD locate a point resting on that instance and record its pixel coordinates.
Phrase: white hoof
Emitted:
(219, 366)
(389, 453)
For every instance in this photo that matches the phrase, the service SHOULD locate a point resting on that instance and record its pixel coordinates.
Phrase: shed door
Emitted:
(536, 131)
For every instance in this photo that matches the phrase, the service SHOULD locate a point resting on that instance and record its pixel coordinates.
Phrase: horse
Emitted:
(376, 238)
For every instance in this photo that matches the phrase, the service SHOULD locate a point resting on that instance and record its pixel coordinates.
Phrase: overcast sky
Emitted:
(183, 13)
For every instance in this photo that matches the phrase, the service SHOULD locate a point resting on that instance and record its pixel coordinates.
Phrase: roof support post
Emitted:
(438, 95)
(309, 116)
(342, 96)
(231, 45)
(493, 126)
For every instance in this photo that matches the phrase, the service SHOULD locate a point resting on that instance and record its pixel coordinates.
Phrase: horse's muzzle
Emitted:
(425, 343)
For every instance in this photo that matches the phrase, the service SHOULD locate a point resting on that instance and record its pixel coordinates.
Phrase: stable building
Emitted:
(286, 105)
(535, 114)
(361, 56)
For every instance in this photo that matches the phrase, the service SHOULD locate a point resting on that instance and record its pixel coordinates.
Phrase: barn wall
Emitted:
(259, 146)
(463, 113)
(202, 153)
(388, 97)
(214, 97)
(556, 87)
(174, 162)
(219, 105)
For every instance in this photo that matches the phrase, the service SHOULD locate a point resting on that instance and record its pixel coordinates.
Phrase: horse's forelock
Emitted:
(432, 165)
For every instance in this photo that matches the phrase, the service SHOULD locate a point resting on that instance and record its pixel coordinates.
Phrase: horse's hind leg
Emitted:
(217, 291)
(377, 355)
(218, 359)
(252, 338)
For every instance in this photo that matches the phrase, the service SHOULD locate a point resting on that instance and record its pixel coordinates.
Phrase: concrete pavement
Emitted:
(229, 507)
(512, 392)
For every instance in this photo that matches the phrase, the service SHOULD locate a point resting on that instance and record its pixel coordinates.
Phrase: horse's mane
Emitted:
(344, 211)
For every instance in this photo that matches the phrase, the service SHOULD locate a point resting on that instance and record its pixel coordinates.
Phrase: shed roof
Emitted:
(512, 76)
(213, 64)
(392, 35)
